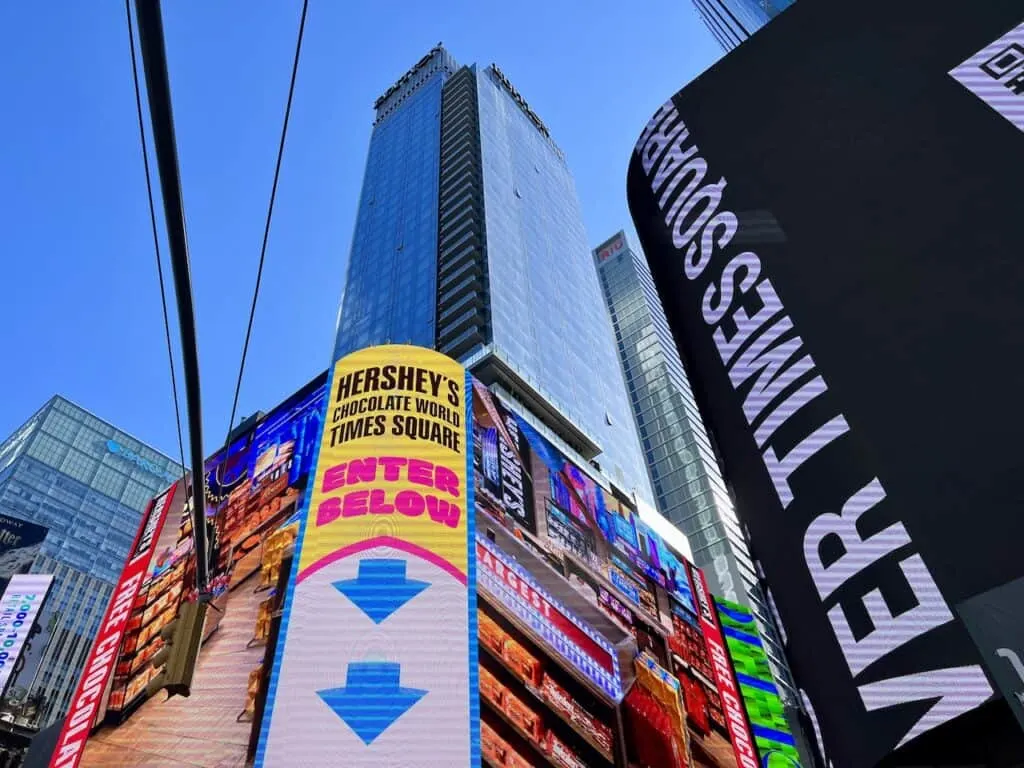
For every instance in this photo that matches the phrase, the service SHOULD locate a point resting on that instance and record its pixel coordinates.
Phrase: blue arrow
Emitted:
(372, 700)
(381, 588)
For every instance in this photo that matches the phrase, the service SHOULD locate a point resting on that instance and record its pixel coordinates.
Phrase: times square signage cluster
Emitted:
(753, 352)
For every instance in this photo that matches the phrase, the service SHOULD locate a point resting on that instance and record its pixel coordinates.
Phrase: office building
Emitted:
(684, 472)
(733, 21)
(88, 484)
(469, 239)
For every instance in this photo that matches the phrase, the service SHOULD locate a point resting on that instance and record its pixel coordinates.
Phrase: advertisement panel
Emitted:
(996, 623)
(20, 542)
(22, 600)
(256, 484)
(728, 690)
(376, 659)
(836, 281)
(583, 645)
(100, 662)
(637, 620)
(761, 701)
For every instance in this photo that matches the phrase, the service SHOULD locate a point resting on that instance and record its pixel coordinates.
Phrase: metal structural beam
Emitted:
(158, 87)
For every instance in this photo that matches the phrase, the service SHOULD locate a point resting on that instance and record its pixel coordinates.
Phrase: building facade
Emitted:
(733, 21)
(88, 483)
(469, 239)
(684, 471)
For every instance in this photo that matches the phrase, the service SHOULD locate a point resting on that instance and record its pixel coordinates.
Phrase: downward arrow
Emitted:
(381, 588)
(372, 699)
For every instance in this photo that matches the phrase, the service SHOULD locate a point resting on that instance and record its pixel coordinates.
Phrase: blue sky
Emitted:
(80, 303)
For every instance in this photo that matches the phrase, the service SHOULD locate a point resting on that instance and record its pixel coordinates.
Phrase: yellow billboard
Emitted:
(377, 656)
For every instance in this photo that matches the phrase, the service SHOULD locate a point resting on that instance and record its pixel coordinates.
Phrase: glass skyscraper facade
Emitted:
(684, 471)
(469, 239)
(88, 483)
(733, 21)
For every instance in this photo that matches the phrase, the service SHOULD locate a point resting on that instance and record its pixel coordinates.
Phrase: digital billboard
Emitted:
(253, 488)
(633, 615)
(764, 707)
(588, 640)
(20, 604)
(831, 214)
(20, 542)
(377, 651)
(85, 706)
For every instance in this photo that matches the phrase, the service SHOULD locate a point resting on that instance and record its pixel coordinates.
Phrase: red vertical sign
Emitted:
(100, 662)
(728, 689)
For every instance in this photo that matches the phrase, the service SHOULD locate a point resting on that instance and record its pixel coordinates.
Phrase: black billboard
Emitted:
(834, 217)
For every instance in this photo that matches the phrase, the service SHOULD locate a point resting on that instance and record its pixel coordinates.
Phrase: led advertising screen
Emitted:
(256, 484)
(832, 218)
(587, 618)
(765, 711)
(20, 542)
(20, 604)
(568, 634)
(86, 704)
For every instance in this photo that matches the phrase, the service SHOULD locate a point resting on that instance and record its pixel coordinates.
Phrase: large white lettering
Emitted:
(858, 552)
(889, 631)
(755, 348)
(957, 690)
(780, 470)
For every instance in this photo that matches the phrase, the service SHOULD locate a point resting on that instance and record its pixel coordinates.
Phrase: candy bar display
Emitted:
(155, 606)
(528, 692)
(589, 631)
(525, 665)
(665, 689)
(523, 716)
(560, 753)
(569, 709)
(252, 491)
(543, 670)
(263, 619)
(692, 662)
(276, 544)
(268, 626)
(653, 744)
(254, 485)
(251, 691)
(498, 753)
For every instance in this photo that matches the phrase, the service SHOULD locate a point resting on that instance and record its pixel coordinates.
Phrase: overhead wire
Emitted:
(156, 236)
(270, 214)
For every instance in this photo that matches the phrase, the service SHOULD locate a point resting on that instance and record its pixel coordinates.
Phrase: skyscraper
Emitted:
(733, 21)
(684, 471)
(469, 239)
(88, 483)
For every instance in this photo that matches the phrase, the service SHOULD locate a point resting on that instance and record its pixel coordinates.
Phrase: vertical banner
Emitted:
(376, 665)
(20, 605)
(99, 663)
(728, 690)
(766, 712)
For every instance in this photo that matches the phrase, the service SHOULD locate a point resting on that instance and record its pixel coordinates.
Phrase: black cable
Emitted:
(270, 214)
(153, 53)
(156, 237)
